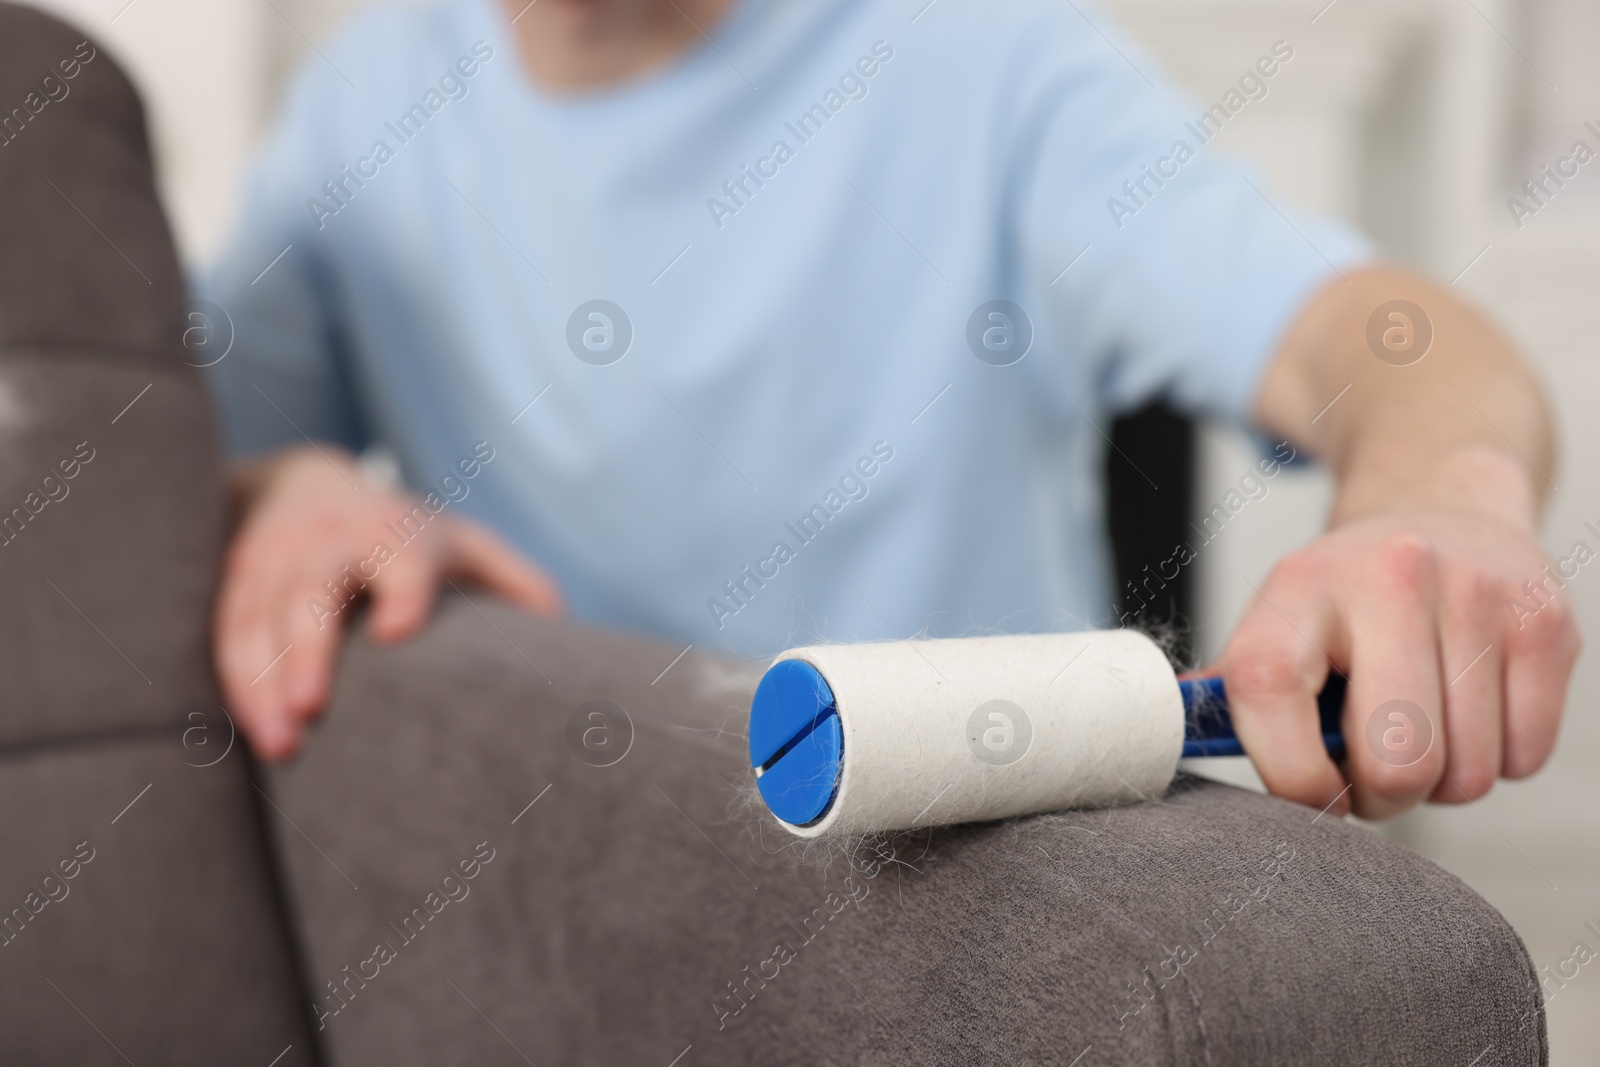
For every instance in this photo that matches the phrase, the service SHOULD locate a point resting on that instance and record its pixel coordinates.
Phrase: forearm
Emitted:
(1442, 461)
(1465, 426)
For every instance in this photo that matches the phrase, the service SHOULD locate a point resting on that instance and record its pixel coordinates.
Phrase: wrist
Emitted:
(249, 480)
(1480, 479)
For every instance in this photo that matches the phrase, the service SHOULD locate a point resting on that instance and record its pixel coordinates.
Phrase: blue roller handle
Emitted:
(1208, 725)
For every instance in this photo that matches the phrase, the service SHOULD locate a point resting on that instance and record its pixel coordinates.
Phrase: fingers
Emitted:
(1473, 663)
(248, 638)
(1273, 668)
(1541, 650)
(403, 590)
(1392, 722)
(312, 626)
(311, 548)
(478, 554)
(1450, 686)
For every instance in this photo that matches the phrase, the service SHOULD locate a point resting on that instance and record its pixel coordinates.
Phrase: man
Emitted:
(755, 322)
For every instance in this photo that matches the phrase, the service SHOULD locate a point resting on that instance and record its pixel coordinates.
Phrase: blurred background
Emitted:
(1416, 119)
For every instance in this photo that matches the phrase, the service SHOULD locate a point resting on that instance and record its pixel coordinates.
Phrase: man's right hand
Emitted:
(308, 513)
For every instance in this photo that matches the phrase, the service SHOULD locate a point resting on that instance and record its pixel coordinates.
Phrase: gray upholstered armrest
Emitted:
(640, 908)
(138, 915)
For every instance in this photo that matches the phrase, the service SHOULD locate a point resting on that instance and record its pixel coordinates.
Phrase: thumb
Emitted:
(478, 554)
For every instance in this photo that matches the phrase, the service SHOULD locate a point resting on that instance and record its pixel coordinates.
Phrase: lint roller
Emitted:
(901, 735)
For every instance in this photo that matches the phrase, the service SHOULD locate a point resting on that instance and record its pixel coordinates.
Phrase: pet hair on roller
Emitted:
(899, 735)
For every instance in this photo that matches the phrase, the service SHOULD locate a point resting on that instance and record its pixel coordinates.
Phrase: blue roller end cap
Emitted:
(796, 742)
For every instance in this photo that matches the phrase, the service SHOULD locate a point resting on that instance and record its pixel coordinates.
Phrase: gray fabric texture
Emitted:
(109, 582)
(86, 261)
(1212, 926)
(165, 947)
(107, 570)
(168, 945)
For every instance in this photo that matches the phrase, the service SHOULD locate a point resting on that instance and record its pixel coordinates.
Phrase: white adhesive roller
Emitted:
(879, 737)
